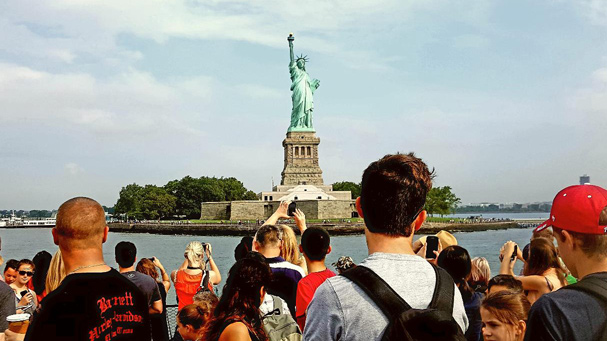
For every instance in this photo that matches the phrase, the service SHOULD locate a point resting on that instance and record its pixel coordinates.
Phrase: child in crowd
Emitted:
(315, 245)
(25, 298)
(193, 318)
(504, 282)
(10, 271)
(456, 260)
(504, 316)
(480, 274)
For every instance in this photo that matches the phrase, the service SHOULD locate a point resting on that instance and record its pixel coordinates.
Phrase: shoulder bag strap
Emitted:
(592, 286)
(203, 280)
(378, 290)
(442, 299)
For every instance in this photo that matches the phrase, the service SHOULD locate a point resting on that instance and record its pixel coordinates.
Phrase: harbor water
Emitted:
(26, 242)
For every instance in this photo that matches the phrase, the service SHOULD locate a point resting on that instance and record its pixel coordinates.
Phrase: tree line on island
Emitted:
(440, 200)
(182, 198)
(178, 198)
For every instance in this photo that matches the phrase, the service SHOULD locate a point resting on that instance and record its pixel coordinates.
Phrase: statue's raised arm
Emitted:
(290, 39)
(302, 88)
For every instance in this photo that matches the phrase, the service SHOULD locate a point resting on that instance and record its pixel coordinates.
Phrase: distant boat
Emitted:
(15, 221)
(39, 222)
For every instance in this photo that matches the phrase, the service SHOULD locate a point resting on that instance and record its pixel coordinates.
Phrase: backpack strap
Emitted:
(442, 299)
(277, 302)
(593, 286)
(390, 303)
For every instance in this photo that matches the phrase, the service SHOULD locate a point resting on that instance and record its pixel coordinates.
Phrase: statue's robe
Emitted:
(303, 103)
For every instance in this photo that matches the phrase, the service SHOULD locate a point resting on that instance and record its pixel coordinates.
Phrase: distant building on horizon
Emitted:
(584, 179)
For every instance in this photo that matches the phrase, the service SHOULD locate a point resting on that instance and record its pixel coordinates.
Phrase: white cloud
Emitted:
(73, 168)
(600, 75)
(591, 100)
(88, 29)
(595, 10)
(133, 102)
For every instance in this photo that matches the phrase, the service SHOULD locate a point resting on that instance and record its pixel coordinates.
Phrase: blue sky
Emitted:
(507, 100)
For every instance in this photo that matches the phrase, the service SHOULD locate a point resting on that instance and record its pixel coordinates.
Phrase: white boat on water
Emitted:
(39, 222)
(14, 221)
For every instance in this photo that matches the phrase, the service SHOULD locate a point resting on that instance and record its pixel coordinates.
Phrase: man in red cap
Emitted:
(577, 312)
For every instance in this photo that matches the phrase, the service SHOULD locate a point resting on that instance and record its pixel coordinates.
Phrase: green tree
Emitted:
(441, 200)
(129, 201)
(235, 190)
(354, 188)
(157, 203)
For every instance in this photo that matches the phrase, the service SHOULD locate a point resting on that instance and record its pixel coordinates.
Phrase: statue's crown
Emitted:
(302, 57)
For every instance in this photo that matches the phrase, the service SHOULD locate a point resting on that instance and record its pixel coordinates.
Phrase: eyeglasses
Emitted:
(23, 273)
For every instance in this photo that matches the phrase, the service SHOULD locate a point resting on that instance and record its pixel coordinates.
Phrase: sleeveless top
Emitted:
(31, 307)
(186, 286)
(228, 322)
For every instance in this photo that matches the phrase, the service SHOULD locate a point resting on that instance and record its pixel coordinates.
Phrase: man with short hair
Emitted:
(268, 242)
(126, 256)
(393, 194)
(10, 271)
(94, 302)
(579, 311)
(315, 246)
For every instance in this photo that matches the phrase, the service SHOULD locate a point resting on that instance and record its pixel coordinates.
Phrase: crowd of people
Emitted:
(280, 288)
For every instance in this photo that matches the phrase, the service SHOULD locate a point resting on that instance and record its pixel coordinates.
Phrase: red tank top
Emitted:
(186, 286)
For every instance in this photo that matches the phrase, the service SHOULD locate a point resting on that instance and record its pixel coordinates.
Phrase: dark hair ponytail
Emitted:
(456, 260)
(241, 298)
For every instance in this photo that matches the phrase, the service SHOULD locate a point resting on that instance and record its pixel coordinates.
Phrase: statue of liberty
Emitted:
(303, 90)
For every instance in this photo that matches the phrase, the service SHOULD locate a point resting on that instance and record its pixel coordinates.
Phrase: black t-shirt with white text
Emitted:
(93, 307)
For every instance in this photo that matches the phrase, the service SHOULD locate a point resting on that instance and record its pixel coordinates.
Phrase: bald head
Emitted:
(80, 224)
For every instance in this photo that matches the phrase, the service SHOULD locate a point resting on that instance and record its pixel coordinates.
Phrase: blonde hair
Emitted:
(56, 272)
(481, 272)
(194, 253)
(290, 248)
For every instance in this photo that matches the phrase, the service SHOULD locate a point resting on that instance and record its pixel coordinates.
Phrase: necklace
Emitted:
(85, 267)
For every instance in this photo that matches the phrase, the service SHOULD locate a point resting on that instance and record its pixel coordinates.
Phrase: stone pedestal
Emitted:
(301, 159)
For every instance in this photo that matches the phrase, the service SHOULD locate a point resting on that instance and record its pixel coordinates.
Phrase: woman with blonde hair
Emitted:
(480, 274)
(193, 272)
(290, 248)
(56, 272)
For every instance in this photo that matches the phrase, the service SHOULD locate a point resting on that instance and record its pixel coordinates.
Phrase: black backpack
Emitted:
(405, 323)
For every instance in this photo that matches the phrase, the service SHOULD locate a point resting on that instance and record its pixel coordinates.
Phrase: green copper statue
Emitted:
(303, 90)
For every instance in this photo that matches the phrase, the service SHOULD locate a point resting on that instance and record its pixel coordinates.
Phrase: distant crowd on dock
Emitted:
(280, 288)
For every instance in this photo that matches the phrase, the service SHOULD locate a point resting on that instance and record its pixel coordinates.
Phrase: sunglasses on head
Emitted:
(29, 273)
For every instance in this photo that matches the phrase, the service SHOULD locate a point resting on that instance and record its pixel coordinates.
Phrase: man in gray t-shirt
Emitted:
(393, 194)
(126, 255)
(7, 304)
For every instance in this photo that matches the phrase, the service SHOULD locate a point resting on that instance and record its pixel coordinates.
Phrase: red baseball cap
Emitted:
(578, 209)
